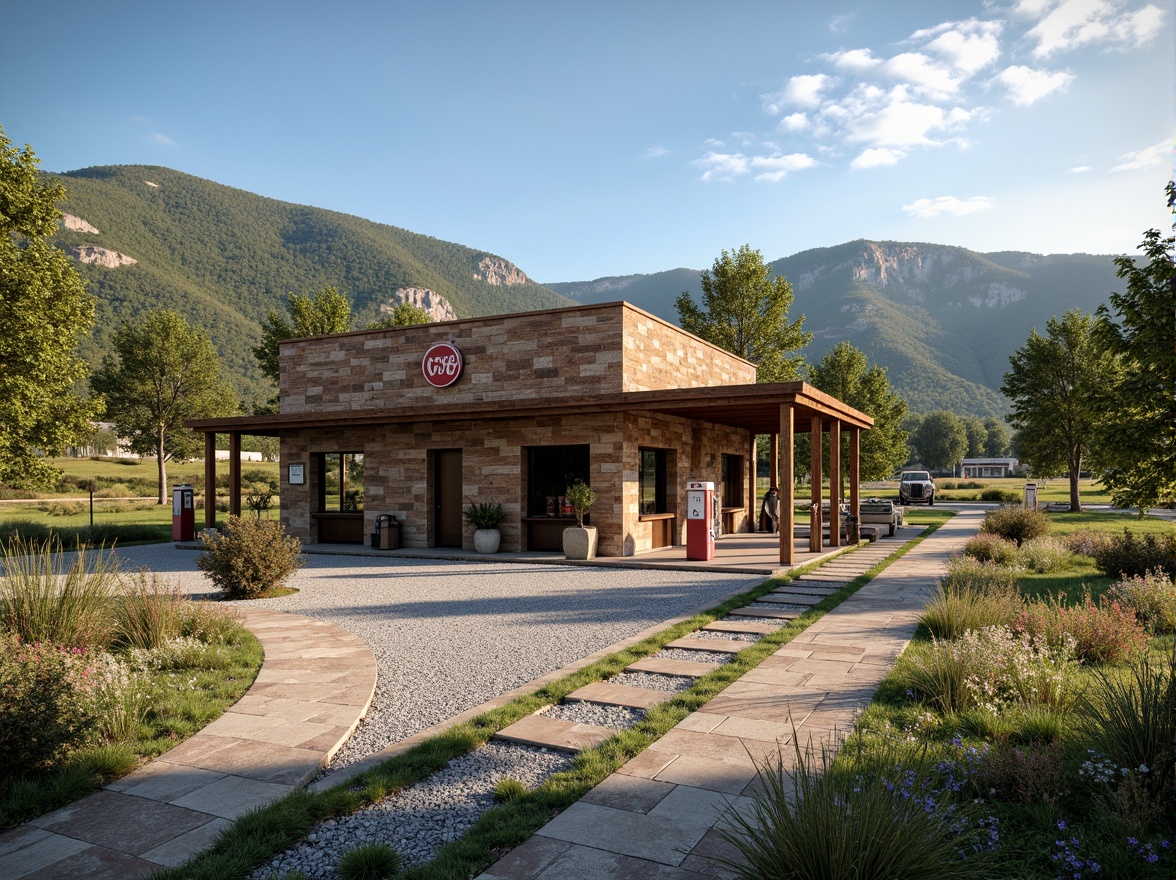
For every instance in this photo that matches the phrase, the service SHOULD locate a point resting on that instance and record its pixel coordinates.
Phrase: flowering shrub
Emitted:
(184, 652)
(1126, 555)
(1086, 543)
(992, 668)
(120, 697)
(1152, 596)
(987, 547)
(1107, 632)
(250, 558)
(1017, 524)
(1044, 554)
(45, 706)
(1070, 861)
(1022, 774)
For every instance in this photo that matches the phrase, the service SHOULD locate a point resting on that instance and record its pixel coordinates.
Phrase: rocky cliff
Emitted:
(99, 256)
(500, 272)
(436, 306)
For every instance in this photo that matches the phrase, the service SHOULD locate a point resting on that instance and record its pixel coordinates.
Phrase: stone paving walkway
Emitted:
(655, 818)
(314, 687)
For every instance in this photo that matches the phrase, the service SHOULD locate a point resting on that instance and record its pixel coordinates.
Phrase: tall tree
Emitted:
(44, 312)
(977, 434)
(745, 311)
(941, 440)
(164, 371)
(845, 373)
(1138, 439)
(404, 315)
(318, 314)
(1053, 385)
(996, 439)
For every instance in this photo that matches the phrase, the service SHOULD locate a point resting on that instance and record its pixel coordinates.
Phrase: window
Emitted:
(550, 471)
(341, 482)
(732, 481)
(651, 489)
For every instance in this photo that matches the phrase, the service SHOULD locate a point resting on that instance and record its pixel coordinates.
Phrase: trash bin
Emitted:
(387, 533)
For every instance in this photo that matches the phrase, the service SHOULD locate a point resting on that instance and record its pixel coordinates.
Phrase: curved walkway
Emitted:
(315, 685)
(655, 818)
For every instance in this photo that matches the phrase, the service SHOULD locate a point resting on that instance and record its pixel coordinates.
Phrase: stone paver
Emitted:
(618, 695)
(659, 815)
(313, 689)
(722, 646)
(681, 668)
(555, 733)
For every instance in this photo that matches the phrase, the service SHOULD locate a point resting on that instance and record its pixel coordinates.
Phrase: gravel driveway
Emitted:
(450, 635)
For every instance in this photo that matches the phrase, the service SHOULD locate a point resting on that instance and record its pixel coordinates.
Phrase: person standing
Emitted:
(771, 509)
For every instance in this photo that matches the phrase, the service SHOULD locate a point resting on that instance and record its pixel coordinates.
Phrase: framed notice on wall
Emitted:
(297, 474)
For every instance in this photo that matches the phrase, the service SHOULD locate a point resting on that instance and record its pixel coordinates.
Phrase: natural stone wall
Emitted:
(660, 355)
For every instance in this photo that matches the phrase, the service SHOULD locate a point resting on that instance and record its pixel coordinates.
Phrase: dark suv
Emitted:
(916, 487)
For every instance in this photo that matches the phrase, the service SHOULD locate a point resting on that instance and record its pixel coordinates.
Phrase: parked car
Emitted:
(880, 512)
(916, 487)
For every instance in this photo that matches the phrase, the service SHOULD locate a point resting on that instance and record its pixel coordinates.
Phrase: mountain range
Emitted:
(943, 320)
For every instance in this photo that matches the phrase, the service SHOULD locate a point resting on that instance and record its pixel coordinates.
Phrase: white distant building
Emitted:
(975, 468)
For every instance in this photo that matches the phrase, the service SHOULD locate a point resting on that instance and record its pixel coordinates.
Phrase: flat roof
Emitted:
(753, 407)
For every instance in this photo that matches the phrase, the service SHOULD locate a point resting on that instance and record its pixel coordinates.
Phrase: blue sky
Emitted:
(584, 140)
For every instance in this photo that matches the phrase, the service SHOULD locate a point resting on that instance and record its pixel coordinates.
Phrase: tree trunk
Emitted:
(162, 469)
(1075, 468)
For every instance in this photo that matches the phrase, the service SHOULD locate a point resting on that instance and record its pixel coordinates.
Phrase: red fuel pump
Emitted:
(700, 533)
(183, 514)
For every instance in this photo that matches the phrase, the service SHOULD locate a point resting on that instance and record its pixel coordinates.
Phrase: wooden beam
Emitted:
(785, 483)
(751, 484)
(835, 483)
(815, 494)
(235, 473)
(210, 480)
(855, 469)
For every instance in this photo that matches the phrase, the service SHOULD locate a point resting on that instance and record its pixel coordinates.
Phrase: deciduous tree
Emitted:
(1053, 385)
(941, 440)
(996, 439)
(745, 311)
(405, 314)
(1138, 436)
(163, 372)
(44, 312)
(318, 314)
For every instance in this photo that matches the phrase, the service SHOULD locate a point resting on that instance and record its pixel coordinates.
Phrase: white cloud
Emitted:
(875, 157)
(1068, 24)
(722, 166)
(1145, 158)
(654, 153)
(838, 24)
(800, 91)
(161, 139)
(1027, 86)
(1079, 169)
(905, 123)
(794, 122)
(853, 60)
(775, 168)
(921, 71)
(927, 209)
(968, 46)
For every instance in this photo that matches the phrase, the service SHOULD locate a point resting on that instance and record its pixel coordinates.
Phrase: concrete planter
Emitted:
(487, 540)
(579, 543)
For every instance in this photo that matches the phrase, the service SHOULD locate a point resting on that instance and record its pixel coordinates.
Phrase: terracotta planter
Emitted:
(579, 543)
(487, 540)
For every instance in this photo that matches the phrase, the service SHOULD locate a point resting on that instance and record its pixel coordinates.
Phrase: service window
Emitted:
(340, 482)
(551, 470)
(732, 481)
(651, 482)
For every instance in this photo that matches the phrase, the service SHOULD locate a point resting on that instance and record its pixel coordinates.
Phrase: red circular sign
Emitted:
(441, 365)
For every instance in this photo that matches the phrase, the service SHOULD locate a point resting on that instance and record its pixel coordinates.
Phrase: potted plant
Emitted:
(485, 517)
(579, 541)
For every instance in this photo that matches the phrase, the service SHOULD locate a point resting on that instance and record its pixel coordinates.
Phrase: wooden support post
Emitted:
(210, 479)
(855, 470)
(835, 483)
(785, 483)
(773, 457)
(751, 485)
(815, 494)
(235, 473)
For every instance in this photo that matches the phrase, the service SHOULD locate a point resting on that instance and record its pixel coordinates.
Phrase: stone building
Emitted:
(421, 421)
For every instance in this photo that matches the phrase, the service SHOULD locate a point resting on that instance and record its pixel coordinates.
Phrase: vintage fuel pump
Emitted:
(700, 532)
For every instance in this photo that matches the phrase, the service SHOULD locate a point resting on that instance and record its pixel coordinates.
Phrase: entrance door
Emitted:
(447, 512)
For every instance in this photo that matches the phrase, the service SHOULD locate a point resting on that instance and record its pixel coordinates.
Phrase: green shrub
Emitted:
(27, 530)
(1107, 632)
(484, 515)
(965, 574)
(1086, 543)
(819, 822)
(1043, 555)
(210, 623)
(509, 789)
(991, 548)
(250, 557)
(1152, 597)
(1127, 555)
(43, 601)
(1022, 775)
(1016, 524)
(47, 711)
(66, 508)
(1001, 496)
(369, 861)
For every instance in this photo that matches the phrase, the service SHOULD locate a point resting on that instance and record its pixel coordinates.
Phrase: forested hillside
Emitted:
(222, 257)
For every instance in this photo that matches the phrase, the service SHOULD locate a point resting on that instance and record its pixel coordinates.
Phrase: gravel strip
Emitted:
(652, 681)
(416, 822)
(692, 656)
(725, 636)
(448, 636)
(771, 621)
(595, 713)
